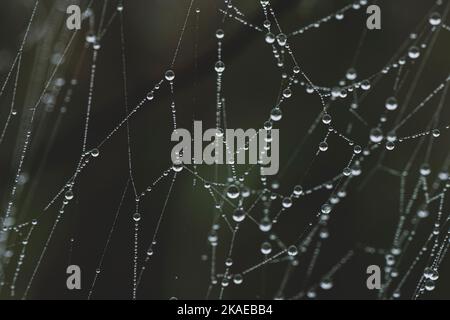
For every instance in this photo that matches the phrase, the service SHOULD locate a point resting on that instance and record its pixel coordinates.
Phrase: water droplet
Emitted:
(265, 224)
(238, 279)
(376, 135)
(413, 52)
(436, 133)
(347, 172)
(425, 169)
(435, 19)
(292, 251)
(391, 103)
(326, 284)
(351, 74)
(326, 118)
(281, 39)
(233, 192)
(220, 34)
(170, 75)
(287, 93)
(266, 248)
(177, 166)
(287, 202)
(390, 145)
(95, 152)
(326, 208)
(276, 114)
(219, 66)
(429, 285)
(270, 38)
(323, 146)
(298, 190)
(68, 195)
(239, 214)
(136, 216)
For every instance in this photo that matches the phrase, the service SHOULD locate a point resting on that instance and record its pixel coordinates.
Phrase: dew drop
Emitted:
(376, 135)
(276, 114)
(219, 66)
(391, 103)
(169, 75)
(233, 192)
(266, 248)
(292, 251)
(239, 214)
(323, 146)
(435, 19)
(270, 38)
(265, 224)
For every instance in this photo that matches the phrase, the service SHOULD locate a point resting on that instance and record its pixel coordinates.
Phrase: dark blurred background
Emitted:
(367, 216)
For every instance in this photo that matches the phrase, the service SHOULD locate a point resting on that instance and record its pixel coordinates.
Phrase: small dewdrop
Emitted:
(266, 248)
(233, 192)
(357, 149)
(270, 38)
(326, 284)
(365, 85)
(169, 75)
(292, 251)
(391, 104)
(339, 16)
(150, 96)
(436, 133)
(265, 225)
(228, 262)
(120, 7)
(351, 74)
(390, 145)
(213, 238)
(177, 166)
(276, 114)
(429, 285)
(435, 19)
(95, 153)
(323, 146)
(287, 93)
(423, 213)
(264, 3)
(219, 66)
(347, 172)
(239, 215)
(326, 118)
(298, 190)
(326, 208)
(68, 195)
(425, 169)
(238, 279)
(413, 52)
(376, 135)
(287, 202)
(91, 38)
(136, 216)
(281, 39)
(220, 34)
